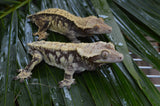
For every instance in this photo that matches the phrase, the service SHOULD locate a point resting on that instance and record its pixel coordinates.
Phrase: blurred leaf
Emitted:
(135, 73)
(145, 11)
(135, 36)
(12, 8)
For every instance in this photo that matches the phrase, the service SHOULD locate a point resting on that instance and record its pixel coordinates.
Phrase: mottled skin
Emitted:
(63, 22)
(72, 57)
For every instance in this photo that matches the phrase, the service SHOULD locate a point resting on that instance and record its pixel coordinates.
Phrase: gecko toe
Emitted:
(66, 83)
(23, 74)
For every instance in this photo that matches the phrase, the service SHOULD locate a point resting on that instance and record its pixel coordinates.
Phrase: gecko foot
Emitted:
(42, 35)
(24, 74)
(66, 83)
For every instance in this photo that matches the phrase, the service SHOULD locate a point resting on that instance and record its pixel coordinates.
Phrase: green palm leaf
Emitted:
(113, 84)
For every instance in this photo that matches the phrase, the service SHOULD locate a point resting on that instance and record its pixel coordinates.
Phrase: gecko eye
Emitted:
(104, 54)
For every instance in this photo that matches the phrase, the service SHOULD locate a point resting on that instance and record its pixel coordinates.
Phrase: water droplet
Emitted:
(82, 100)
(110, 37)
(67, 94)
(124, 102)
(2, 59)
(120, 44)
(103, 74)
(103, 16)
(57, 104)
(147, 52)
(1, 75)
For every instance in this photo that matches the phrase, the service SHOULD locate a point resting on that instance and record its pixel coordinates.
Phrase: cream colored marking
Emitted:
(65, 52)
(74, 65)
(59, 24)
(66, 25)
(70, 58)
(60, 27)
(63, 61)
(50, 18)
(58, 53)
(46, 59)
(52, 58)
(53, 22)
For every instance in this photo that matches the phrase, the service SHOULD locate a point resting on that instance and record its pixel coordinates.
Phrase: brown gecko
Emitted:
(63, 22)
(72, 57)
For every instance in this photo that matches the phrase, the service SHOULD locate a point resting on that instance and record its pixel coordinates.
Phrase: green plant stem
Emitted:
(14, 8)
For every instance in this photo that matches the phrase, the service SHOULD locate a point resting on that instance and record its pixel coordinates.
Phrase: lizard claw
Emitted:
(42, 35)
(24, 74)
(66, 83)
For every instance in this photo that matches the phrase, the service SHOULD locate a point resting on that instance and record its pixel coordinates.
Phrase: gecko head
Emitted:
(108, 56)
(98, 26)
(101, 52)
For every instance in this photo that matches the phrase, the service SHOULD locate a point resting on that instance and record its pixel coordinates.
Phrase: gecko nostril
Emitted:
(121, 57)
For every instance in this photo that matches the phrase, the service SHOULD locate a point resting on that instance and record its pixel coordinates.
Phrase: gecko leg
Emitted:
(72, 36)
(43, 26)
(68, 79)
(26, 72)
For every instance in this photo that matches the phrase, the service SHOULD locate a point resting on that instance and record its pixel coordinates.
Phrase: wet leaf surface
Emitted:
(113, 84)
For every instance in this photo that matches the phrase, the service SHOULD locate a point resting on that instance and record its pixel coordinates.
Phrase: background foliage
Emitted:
(113, 84)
